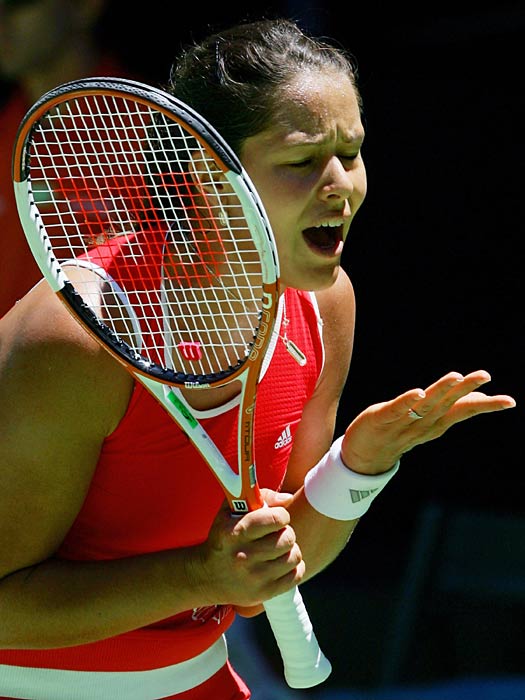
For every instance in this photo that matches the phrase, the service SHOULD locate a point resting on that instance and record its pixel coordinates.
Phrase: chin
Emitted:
(312, 280)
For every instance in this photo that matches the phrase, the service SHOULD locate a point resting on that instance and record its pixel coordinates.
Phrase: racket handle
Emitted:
(305, 665)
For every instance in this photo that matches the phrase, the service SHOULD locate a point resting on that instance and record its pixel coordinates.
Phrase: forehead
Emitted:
(315, 102)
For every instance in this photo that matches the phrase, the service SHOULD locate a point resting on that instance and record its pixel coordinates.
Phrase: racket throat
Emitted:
(250, 499)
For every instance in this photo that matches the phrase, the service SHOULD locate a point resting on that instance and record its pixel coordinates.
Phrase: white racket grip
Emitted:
(305, 665)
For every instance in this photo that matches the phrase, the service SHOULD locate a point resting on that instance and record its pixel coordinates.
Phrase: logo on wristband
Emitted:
(357, 496)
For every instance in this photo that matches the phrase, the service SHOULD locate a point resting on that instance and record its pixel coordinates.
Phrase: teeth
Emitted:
(330, 224)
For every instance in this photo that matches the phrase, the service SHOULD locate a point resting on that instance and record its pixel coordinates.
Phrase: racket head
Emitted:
(144, 222)
(85, 201)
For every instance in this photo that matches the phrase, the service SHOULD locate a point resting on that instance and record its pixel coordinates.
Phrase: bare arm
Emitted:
(60, 396)
(321, 539)
(378, 436)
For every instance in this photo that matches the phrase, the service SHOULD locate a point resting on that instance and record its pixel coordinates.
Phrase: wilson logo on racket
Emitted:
(239, 506)
(190, 350)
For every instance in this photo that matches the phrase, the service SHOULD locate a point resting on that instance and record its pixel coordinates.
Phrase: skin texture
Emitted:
(309, 171)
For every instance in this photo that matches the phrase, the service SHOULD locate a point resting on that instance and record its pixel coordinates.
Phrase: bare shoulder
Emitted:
(46, 357)
(60, 396)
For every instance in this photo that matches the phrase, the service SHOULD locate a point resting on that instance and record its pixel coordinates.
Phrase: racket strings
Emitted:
(123, 188)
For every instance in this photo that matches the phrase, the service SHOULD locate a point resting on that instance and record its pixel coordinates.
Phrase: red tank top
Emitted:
(152, 491)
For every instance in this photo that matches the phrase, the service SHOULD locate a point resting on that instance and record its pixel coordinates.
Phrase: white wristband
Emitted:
(336, 491)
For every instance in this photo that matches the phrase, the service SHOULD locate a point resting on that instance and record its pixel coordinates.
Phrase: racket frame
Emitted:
(304, 663)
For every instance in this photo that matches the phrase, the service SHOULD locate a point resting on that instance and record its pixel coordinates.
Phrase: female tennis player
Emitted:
(121, 567)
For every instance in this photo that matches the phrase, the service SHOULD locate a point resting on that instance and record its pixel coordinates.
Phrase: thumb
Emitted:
(276, 498)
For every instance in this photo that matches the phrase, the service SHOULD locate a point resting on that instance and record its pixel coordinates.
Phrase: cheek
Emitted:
(283, 224)
(360, 190)
(278, 203)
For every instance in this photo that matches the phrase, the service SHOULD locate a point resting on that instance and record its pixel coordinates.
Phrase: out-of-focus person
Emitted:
(43, 43)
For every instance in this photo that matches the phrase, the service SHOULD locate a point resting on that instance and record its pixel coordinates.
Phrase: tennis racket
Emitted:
(147, 227)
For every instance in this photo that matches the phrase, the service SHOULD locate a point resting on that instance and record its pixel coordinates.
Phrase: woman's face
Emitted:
(308, 171)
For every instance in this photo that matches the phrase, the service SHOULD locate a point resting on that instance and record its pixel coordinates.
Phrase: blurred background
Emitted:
(431, 589)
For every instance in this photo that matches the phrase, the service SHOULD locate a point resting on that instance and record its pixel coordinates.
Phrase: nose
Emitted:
(336, 182)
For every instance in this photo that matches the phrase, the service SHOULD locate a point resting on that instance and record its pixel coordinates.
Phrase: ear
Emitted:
(206, 175)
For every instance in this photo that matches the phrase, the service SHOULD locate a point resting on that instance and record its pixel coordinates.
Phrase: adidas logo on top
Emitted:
(285, 438)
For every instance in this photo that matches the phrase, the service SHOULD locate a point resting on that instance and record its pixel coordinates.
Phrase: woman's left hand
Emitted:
(378, 436)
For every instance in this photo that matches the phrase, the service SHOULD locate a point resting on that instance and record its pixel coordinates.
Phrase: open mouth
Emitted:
(324, 240)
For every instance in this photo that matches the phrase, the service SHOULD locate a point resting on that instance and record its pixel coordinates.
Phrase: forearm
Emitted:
(329, 505)
(64, 603)
(320, 538)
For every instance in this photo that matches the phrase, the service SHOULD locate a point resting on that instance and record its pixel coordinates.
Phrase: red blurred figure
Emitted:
(43, 43)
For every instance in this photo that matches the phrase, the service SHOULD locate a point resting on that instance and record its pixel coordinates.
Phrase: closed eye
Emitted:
(309, 162)
(301, 163)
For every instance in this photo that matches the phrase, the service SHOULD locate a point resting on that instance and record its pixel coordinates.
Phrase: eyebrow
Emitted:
(308, 140)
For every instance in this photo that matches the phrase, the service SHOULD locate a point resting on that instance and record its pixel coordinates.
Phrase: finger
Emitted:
(285, 545)
(443, 392)
(472, 382)
(447, 390)
(391, 411)
(272, 547)
(261, 522)
(286, 568)
(292, 578)
(451, 385)
(477, 403)
(276, 498)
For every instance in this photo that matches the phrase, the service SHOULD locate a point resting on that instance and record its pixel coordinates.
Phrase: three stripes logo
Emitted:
(357, 496)
(285, 438)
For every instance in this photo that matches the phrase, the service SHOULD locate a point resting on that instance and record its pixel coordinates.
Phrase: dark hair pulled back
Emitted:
(233, 77)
